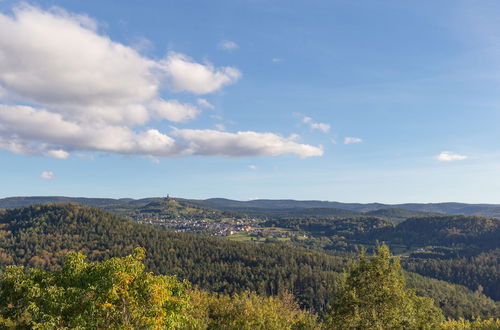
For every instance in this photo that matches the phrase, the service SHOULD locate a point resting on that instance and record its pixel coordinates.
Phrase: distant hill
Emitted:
(12, 202)
(399, 215)
(448, 231)
(222, 203)
(267, 205)
(172, 208)
(490, 210)
(39, 235)
(293, 212)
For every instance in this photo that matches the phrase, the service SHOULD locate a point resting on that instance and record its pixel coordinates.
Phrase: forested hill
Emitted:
(399, 215)
(39, 235)
(471, 232)
(261, 205)
(12, 202)
(490, 210)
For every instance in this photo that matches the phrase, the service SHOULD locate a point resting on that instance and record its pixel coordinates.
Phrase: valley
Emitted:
(451, 258)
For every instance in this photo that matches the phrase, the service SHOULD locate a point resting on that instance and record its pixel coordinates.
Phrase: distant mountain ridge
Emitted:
(488, 210)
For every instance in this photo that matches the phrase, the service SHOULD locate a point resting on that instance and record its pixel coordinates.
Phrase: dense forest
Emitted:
(479, 273)
(119, 293)
(38, 236)
(474, 233)
(457, 249)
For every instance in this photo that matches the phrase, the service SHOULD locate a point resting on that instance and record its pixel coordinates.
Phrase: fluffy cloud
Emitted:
(351, 140)
(228, 45)
(314, 125)
(25, 123)
(56, 60)
(174, 110)
(47, 175)
(448, 156)
(252, 167)
(211, 142)
(189, 76)
(58, 153)
(66, 87)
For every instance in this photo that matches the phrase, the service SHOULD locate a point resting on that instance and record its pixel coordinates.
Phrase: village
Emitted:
(225, 227)
(248, 227)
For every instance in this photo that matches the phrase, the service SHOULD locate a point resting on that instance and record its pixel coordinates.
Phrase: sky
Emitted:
(351, 101)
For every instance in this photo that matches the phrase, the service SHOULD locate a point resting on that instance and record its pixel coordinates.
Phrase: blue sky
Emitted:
(354, 101)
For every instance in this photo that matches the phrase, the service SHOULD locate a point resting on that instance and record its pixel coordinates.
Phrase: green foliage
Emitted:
(479, 273)
(38, 236)
(476, 232)
(170, 208)
(478, 324)
(116, 293)
(398, 215)
(350, 227)
(455, 300)
(372, 295)
(247, 310)
(331, 234)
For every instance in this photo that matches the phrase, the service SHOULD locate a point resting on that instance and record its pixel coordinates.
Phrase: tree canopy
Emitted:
(372, 294)
(116, 293)
(119, 294)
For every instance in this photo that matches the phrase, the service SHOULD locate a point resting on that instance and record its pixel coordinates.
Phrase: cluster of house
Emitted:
(228, 227)
(215, 228)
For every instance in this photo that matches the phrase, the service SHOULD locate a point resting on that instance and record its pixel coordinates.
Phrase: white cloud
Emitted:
(276, 60)
(174, 110)
(205, 104)
(448, 156)
(88, 93)
(58, 153)
(252, 167)
(53, 59)
(323, 127)
(47, 175)
(210, 142)
(187, 75)
(228, 45)
(351, 140)
(29, 124)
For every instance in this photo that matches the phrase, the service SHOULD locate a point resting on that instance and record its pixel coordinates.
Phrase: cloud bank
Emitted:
(211, 142)
(66, 87)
